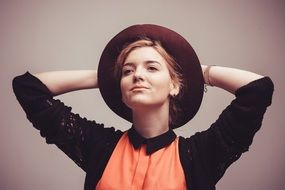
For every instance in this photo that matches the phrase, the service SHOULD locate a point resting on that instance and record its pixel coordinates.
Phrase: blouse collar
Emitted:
(152, 144)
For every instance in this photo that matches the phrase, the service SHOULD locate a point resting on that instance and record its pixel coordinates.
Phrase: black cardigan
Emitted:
(204, 156)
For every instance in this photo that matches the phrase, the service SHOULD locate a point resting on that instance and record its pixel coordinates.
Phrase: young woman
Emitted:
(150, 76)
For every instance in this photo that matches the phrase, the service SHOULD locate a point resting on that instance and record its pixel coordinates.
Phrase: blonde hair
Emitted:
(172, 66)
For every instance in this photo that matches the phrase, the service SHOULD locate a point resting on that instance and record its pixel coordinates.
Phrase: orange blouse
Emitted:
(131, 168)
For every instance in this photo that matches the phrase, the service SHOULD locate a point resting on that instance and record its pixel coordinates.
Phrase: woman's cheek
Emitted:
(124, 92)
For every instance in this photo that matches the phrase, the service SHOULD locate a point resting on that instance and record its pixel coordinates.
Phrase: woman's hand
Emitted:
(60, 82)
(229, 79)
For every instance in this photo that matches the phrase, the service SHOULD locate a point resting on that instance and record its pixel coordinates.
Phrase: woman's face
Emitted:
(145, 79)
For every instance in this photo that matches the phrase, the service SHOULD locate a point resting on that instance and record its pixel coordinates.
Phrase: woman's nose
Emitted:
(138, 75)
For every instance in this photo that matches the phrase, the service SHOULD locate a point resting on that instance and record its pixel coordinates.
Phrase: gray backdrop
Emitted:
(39, 36)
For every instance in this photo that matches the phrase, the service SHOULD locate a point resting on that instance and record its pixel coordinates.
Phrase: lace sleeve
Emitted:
(232, 134)
(67, 130)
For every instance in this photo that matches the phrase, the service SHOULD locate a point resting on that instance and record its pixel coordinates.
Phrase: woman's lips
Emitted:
(135, 88)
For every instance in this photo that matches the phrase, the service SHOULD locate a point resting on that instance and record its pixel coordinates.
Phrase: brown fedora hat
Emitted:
(176, 46)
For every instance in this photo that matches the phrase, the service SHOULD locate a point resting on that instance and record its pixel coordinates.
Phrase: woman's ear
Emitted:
(175, 89)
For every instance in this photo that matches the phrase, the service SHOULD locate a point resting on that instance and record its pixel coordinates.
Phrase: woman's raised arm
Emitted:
(60, 82)
(227, 78)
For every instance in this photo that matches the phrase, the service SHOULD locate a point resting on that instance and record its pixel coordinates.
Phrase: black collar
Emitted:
(152, 144)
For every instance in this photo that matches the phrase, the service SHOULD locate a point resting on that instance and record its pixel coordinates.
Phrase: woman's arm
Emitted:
(69, 131)
(229, 79)
(233, 132)
(60, 82)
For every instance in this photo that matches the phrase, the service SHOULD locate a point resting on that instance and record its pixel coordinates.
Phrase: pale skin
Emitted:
(146, 85)
(155, 111)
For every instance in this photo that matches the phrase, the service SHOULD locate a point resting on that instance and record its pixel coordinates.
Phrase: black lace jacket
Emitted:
(204, 156)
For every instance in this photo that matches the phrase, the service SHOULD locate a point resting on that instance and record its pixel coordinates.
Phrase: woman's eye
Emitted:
(126, 72)
(152, 68)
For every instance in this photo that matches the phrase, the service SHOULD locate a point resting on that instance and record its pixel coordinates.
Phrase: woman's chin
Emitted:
(143, 104)
(138, 104)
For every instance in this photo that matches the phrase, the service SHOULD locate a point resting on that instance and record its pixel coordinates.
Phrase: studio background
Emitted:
(39, 36)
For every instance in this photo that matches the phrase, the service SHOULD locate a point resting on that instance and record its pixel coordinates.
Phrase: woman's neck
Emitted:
(151, 122)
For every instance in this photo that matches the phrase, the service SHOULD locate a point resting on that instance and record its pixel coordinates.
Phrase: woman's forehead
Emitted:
(144, 54)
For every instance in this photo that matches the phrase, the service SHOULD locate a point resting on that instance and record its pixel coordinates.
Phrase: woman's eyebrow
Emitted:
(152, 61)
(131, 64)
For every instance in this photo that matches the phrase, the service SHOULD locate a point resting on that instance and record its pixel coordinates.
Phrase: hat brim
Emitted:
(175, 45)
